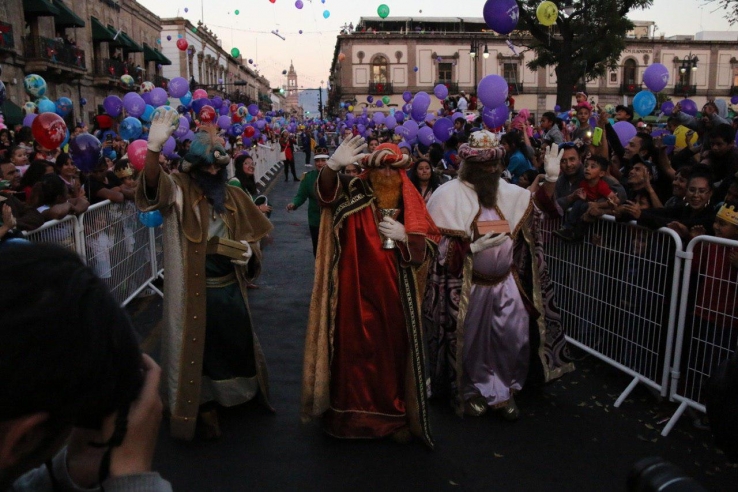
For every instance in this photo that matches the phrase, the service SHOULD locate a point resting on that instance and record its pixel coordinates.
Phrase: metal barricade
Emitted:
(65, 232)
(708, 321)
(119, 248)
(617, 292)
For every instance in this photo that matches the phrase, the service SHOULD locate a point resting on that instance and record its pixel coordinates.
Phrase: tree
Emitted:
(582, 45)
(731, 9)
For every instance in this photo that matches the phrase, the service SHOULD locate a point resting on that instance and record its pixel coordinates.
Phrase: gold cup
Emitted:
(393, 213)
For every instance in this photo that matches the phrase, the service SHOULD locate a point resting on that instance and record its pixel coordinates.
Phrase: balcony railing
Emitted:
(114, 69)
(380, 89)
(685, 90)
(514, 88)
(54, 51)
(453, 87)
(630, 89)
(6, 36)
(160, 81)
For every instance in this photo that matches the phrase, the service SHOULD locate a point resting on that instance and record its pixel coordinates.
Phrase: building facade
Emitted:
(383, 58)
(81, 48)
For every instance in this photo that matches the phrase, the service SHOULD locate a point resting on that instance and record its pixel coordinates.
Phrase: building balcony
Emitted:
(380, 89)
(630, 89)
(6, 36)
(685, 90)
(453, 87)
(109, 71)
(43, 54)
(160, 81)
(514, 89)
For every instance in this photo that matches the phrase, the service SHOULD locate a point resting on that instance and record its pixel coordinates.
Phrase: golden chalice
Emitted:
(393, 213)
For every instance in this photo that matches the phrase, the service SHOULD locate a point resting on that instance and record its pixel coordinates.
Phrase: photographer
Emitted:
(72, 373)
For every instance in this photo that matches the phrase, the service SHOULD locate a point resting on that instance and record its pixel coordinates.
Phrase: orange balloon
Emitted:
(341, 57)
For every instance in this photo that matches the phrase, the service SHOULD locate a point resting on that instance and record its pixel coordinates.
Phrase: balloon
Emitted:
(248, 131)
(247, 142)
(127, 81)
(380, 104)
(235, 52)
(501, 15)
(182, 44)
(734, 100)
(418, 114)
(625, 132)
(85, 150)
(421, 101)
(667, 108)
(168, 147)
(407, 96)
(151, 219)
(341, 57)
(681, 137)
(442, 129)
(113, 106)
(350, 108)
(557, 108)
(224, 122)
(46, 106)
(495, 117)
(378, 118)
(415, 69)
(199, 94)
(440, 91)
(206, 114)
(147, 87)
(66, 139)
(390, 123)
(370, 99)
(29, 107)
(137, 154)
(217, 102)
(158, 97)
(399, 116)
(182, 128)
(412, 129)
(63, 106)
(28, 119)
(178, 87)
(146, 96)
(492, 90)
(83, 102)
(198, 104)
(656, 77)
(134, 104)
(186, 99)
(326, 14)
(169, 38)
(253, 109)
(148, 113)
(689, 107)
(426, 136)
(49, 130)
(386, 99)
(547, 12)
(130, 128)
(456, 116)
(35, 85)
(299, 4)
(383, 11)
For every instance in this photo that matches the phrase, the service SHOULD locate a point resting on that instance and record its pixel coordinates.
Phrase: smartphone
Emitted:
(597, 137)
(109, 137)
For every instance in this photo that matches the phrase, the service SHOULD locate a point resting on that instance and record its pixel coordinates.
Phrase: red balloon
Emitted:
(137, 154)
(234, 108)
(235, 119)
(49, 130)
(207, 114)
(272, 1)
(249, 131)
(182, 44)
(199, 94)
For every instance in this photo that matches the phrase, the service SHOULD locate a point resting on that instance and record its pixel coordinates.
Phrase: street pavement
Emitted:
(570, 437)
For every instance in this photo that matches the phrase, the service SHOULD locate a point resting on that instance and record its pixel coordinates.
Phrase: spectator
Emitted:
(424, 179)
(308, 192)
(679, 186)
(24, 139)
(527, 178)
(33, 175)
(6, 142)
(10, 180)
(640, 178)
(352, 169)
(624, 113)
(515, 149)
(19, 157)
(552, 134)
(72, 376)
(584, 132)
(451, 162)
(69, 173)
(372, 143)
(722, 157)
(287, 146)
(572, 173)
(462, 105)
(51, 199)
(244, 178)
(98, 188)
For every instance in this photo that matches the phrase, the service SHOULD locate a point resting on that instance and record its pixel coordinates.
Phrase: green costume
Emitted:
(307, 192)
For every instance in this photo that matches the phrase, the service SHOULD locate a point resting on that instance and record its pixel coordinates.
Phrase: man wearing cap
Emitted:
(210, 352)
(624, 113)
(364, 368)
(307, 191)
(484, 307)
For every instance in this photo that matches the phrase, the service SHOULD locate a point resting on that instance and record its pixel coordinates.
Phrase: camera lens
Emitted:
(657, 474)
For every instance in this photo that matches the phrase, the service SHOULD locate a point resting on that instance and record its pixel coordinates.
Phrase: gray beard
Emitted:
(485, 183)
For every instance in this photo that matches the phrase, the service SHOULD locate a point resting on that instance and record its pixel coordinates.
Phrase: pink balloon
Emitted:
(137, 154)
(199, 94)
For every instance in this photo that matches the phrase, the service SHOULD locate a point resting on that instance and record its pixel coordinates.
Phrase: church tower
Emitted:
(292, 97)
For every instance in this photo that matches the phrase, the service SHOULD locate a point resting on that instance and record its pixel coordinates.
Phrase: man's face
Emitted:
(621, 115)
(9, 172)
(719, 147)
(638, 175)
(320, 163)
(570, 162)
(19, 157)
(633, 148)
(583, 115)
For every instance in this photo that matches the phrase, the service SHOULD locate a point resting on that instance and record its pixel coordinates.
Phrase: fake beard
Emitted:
(387, 189)
(485, 183)
(213, 187)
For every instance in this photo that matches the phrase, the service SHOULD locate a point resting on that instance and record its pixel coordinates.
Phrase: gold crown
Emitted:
(728, 214)
(126, 172)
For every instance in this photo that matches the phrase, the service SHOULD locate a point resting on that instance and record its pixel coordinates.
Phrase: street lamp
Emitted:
(476, 46)
(689, 63)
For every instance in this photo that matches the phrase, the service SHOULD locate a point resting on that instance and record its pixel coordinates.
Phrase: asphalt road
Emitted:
(569, 437)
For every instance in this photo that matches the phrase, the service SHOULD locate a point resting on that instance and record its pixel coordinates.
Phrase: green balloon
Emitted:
(386, 100)
(383, 11)
(236, 12)
(235, 52)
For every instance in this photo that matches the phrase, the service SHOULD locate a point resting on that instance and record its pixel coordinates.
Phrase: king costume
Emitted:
(210, 352)
(490, 320)
(364, 368)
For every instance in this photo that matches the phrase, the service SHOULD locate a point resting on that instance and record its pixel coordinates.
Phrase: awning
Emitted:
(131, 45)
(39, 8)
(99, 31)
(12, 113)
(66, 17)
(164, 59)
(150, 54)
(117, 37)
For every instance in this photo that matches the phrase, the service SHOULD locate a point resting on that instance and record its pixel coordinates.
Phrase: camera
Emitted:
(655, 473)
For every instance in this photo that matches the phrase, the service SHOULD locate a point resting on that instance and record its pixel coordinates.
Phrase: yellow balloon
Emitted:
(350, 108)
(681, 137)
(547, 13)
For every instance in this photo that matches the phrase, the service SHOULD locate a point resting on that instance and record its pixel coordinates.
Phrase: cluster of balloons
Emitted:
(44, 116)
(656, 77)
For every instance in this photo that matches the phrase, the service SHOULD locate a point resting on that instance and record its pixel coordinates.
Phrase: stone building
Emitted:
(390, 56)
(206, 64)
(80, 47)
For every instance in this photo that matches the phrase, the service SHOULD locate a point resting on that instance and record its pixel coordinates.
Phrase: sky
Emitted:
(312, 51)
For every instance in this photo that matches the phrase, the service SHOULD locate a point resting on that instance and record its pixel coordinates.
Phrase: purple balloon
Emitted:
(442, 129)
(456, 116)
(85, 150)
(146, 96)
(399, 117)
(656, 77)
(217, 102)
(190, 135)
(261, 124)
(253, 109)
(158, 97)
(430, 117)
(113, 106)
(134, 104)
(406, 108)
(198, 104)
(378, 118)
(247, 142)
(235, 130)
(495, 117)
(689, 107)
(421, 101)
(667, 108)
(183, 128)
(407, 96)
(557, 108)
(224, 122)
(441, 91)
(734, 100)
(426, 136)
(178, 87)
(168, 147)
(625, 132)
(28, 119)
(412, 129)
(501, 15)
(380, 104)
(370, 99)
(492, 91)
(418, 114)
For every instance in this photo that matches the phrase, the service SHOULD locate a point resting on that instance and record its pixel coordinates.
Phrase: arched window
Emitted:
(380, 69)
(630, 70)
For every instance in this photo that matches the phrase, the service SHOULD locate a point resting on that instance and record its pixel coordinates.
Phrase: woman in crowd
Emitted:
(69, 173)
(352, 170)
(244, 178)
(424, 179)
(515, 150)
(6, 142)
(51, 199)
(36, 170)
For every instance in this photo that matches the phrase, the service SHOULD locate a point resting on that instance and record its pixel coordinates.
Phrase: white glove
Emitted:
(552, 163)
(347, 153)
(162, 127)
(392, 229)
(487, 241)
(246, 256)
